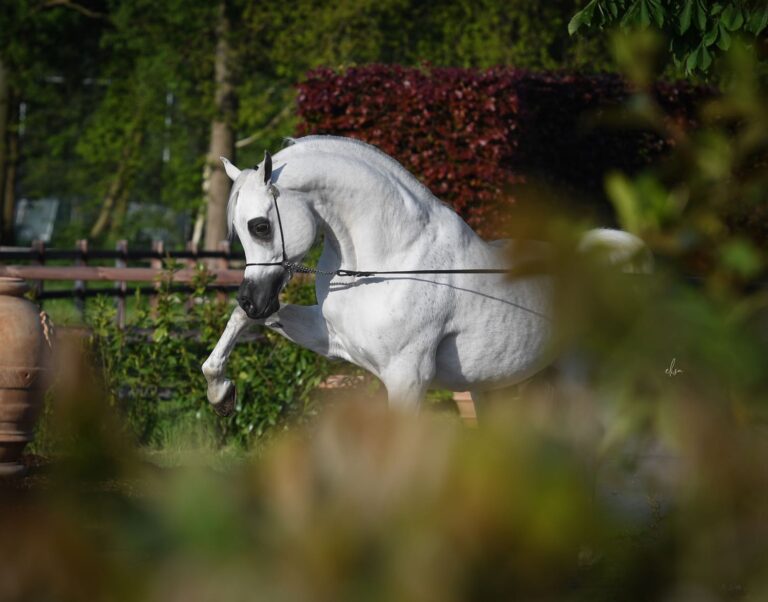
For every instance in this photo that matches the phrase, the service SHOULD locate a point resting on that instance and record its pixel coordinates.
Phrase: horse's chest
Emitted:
(372, 321)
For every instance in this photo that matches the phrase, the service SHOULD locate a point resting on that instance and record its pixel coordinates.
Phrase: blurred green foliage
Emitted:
(705, 205)
(371, 505)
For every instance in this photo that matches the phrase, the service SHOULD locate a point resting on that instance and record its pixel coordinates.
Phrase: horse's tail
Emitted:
(618, 248)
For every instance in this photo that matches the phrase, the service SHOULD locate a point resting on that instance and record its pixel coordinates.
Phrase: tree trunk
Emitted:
(222, 141)
(105, 213)
(5, 114)
(9, 177)
(117, 187)
(9, 194)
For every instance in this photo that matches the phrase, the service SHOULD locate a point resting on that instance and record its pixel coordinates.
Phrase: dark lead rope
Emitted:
(294, 268)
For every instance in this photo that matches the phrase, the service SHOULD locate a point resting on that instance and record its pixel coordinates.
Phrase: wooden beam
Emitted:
(110, 274)
(466, 407)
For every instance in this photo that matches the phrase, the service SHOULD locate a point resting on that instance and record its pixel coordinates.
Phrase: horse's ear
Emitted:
(267, 167)
(231, 170)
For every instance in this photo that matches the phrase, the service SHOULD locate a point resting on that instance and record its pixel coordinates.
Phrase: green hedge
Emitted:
(151, 368)
(477, 137)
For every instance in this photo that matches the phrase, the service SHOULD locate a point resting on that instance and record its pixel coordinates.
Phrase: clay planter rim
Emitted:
(12, 286)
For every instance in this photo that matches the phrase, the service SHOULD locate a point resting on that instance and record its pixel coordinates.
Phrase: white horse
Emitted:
(460, 331)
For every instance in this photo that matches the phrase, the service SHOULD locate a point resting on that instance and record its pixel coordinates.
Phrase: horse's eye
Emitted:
(260, 227)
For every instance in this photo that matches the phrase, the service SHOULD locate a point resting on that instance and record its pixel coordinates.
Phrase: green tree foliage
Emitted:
(119, 95)
(45, 76)
(697, 29)
(277, 48)
(115, 105)
(484, 33)
(144, 139)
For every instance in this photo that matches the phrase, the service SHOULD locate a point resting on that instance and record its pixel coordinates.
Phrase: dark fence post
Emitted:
(38, 246)
(121, 287)
(191, 263)
(158, 248)
(82, 260)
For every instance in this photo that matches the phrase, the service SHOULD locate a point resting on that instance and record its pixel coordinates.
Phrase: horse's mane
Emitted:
(359, 150)
(356, 150)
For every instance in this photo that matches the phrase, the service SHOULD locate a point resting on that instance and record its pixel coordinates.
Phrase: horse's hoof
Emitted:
(226, 407)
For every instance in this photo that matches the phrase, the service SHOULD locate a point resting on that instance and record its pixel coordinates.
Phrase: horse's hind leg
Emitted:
(539, 388)
(486, 401)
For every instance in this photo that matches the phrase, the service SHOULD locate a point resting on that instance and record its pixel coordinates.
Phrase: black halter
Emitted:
(291, 267)
(294, 268)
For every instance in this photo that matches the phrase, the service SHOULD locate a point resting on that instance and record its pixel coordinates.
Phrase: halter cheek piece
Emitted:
(287, 265)
(294, 268)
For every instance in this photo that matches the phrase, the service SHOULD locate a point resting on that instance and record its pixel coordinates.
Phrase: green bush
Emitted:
(151, 368)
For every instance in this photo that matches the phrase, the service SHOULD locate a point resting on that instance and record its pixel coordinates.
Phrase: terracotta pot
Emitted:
(22, 352)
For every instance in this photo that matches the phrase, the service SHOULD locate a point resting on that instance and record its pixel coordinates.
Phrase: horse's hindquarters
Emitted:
(501, 336)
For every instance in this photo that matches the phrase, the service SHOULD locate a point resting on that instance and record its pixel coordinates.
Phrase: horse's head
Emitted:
(253, 213)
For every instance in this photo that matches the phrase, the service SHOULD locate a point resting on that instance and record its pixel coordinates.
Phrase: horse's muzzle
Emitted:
(259, 300)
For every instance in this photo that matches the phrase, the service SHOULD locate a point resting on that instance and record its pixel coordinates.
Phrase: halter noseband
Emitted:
(290, 267)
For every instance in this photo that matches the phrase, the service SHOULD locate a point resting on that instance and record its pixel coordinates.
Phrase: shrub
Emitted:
(472, 136)
(151, 369)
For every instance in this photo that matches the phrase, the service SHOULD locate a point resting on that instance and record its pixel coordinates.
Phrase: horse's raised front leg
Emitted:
(304, 325)
(221, 391)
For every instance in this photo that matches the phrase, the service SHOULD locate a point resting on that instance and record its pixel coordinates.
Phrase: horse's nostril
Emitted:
(246, 305)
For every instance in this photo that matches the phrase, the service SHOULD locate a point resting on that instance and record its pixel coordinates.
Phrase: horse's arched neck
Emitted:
(366, 218)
